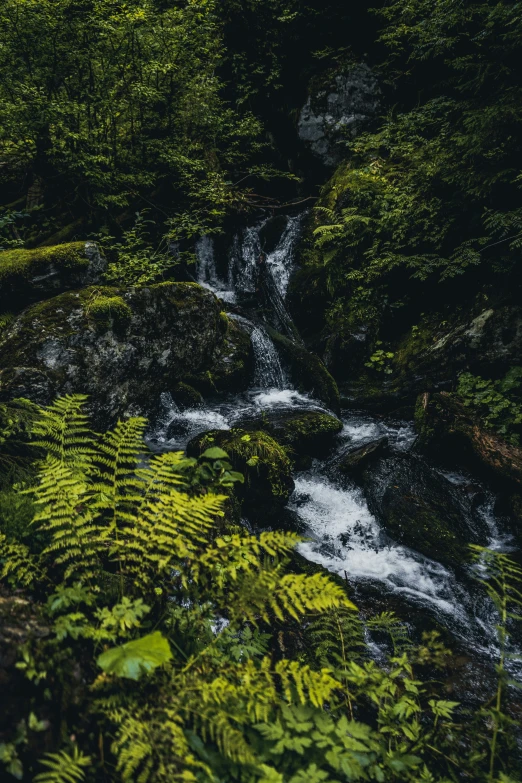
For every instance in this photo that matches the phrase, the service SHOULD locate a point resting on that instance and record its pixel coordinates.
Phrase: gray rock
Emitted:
(339, 112)
(121, 347)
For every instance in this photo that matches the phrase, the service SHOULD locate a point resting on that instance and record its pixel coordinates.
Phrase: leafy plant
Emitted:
(497, 402)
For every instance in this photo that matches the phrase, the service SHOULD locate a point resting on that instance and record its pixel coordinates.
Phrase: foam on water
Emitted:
(273, 398)
(348, 539)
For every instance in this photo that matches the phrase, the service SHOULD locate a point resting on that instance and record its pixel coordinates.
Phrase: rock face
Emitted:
(442, 420)
(431, 356)
(32, 275)
(264, 463)
(486, 343)
(421, 509)
(338, 111)
(121, 347)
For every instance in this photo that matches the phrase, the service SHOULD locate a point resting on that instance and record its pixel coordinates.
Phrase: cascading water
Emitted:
(343, 535)
(206, 270)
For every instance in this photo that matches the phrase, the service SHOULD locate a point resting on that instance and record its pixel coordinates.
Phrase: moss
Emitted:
(109, 309)
(264, 463)
(304, 435)
(427, 532)
(28, 263)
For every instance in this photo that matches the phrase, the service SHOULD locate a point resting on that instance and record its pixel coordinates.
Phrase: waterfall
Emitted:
(268, 373)
(253, 272)
(281, 260)
(206, 270)
(268, 370)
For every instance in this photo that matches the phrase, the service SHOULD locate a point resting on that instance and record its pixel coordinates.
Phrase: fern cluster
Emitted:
(159, 660)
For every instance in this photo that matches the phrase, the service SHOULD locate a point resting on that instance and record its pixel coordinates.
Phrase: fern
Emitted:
(18, 565)
(63, 768)
(62, 430)
(396, 629)
(63, 512)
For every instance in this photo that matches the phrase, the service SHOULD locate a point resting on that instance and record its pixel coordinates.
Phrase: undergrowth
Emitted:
(159, 652)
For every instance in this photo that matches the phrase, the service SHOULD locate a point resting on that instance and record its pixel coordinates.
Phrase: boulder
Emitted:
(121, 347)
(337, 111)
(357, 459)
(304, 434)
(420, 508)
(443, 422)
(430, 358)
(264, 463)
(32, 275)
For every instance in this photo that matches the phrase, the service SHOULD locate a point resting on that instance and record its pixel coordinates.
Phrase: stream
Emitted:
(342, 534)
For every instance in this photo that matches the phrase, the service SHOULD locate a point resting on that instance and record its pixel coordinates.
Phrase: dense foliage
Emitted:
(433, 193)
(162, 632)
(104, 102)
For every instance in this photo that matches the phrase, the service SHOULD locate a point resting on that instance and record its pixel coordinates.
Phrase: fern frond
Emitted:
(396, 629)
(18, 565)
(63, 500)
(63, 431)
(289, 594)
(63, 768)
(337, 637)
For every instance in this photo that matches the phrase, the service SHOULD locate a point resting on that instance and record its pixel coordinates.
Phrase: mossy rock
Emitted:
(308, 373)
(32, 275)
(109, 310)
(303, 434)
(264, 463)
(423, 510)
(231, 366)
(123, 353)
(185, 396)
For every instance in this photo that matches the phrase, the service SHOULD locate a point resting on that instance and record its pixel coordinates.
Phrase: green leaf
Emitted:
(132, 659)
(215, 453)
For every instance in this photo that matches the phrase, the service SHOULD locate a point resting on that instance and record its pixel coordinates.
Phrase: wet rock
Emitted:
(431, 357)
(304, 434)
(121, 347)
(422, 509)
(338, 111)
(443, 423)
(359, 458)
(307, 372)
(264, 463)
(32, 275)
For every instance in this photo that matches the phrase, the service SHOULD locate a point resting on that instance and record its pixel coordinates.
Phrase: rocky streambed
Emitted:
(382, 501)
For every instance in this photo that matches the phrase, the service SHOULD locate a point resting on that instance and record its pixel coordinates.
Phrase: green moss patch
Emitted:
(106, 309)
(28, 263)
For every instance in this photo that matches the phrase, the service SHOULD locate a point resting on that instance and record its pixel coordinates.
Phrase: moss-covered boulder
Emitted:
(307, 372)
(32, 275)
(304, 434)
(121, 347)
(264, 463)
(422, 509)
(232, 362)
